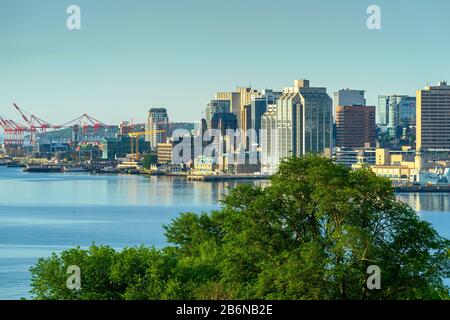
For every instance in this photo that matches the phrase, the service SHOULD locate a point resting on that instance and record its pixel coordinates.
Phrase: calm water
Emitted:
(44, 213)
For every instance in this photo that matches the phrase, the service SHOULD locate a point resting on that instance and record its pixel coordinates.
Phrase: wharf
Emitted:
(227, 177)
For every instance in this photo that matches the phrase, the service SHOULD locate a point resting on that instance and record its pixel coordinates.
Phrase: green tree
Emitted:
(311, 234)
(149, 160)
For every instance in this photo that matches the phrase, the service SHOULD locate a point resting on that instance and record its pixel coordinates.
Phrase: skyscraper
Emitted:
(157, 121)
(395, 111)
(224, 121)
(304, 120)
(286, 116)
(238, 100)
(355, 126)
(257, 108)
(269, 141)
(433, 117)
(215, 106)
(314, 121)
(348, 97)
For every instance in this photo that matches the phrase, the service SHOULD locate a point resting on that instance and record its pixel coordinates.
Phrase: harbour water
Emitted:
(41, 213)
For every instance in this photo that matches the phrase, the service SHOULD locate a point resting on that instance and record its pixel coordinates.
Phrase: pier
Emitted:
(227, 177)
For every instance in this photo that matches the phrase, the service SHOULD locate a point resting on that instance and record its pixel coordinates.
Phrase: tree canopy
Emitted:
(311, 234)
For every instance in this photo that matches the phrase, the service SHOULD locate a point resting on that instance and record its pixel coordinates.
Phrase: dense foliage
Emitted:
(311, 234)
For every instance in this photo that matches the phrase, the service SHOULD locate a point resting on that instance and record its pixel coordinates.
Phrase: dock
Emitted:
(227, 177)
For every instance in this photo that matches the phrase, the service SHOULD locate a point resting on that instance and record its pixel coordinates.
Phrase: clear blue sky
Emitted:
(135, 54)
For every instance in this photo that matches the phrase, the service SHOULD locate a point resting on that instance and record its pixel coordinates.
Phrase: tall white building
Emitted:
(269, 141)
(158, 126)
(303, 119)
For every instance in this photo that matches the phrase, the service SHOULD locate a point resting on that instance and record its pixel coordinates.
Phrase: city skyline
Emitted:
(120, 61)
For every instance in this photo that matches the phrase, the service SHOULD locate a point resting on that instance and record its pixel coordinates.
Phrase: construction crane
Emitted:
(134, 141)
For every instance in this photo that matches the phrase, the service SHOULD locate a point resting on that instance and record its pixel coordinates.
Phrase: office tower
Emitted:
(224, 121)
(215, 106)
(407, 112)
(257, 108)
(304, 120)
(355, 126)
(247, 95)
(269, 141)
(348, 97)
(157, 121)
(314, 123)
(433, 117)
(395, 112)
(238, 100)
(286, 116)
(270, 95)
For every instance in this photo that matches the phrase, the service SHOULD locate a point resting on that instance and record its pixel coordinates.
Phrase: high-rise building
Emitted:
(247, 95)
(395, 112)
(433, 117)
(269, 141)
(407, 112)
(270, 95)
(215, 106)
(314, 121)
(287, 108)
(224, 121)
(257, 108)
(355, 126)
(348, 97)
(238, 100)
(304, 120)
(158, 122)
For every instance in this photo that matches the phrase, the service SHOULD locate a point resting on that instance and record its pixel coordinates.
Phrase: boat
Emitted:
(108, 170)
(74, 169)
(43, 168)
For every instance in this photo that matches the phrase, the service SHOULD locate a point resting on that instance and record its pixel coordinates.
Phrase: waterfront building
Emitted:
(433, 117)
(204, 165)
(355, 126)
(350, 157)
(157, 120)
(164, 153)
(119, 146)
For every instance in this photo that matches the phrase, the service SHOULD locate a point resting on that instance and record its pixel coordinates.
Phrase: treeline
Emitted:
(312, 234)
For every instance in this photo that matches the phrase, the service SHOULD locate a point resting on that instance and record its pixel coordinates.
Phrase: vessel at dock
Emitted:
(74, 169)
(43, 168)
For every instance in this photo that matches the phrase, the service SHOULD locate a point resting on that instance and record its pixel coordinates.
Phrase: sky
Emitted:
(132, 55)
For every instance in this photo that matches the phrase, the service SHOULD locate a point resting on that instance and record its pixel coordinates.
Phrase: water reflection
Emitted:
(427, 201)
